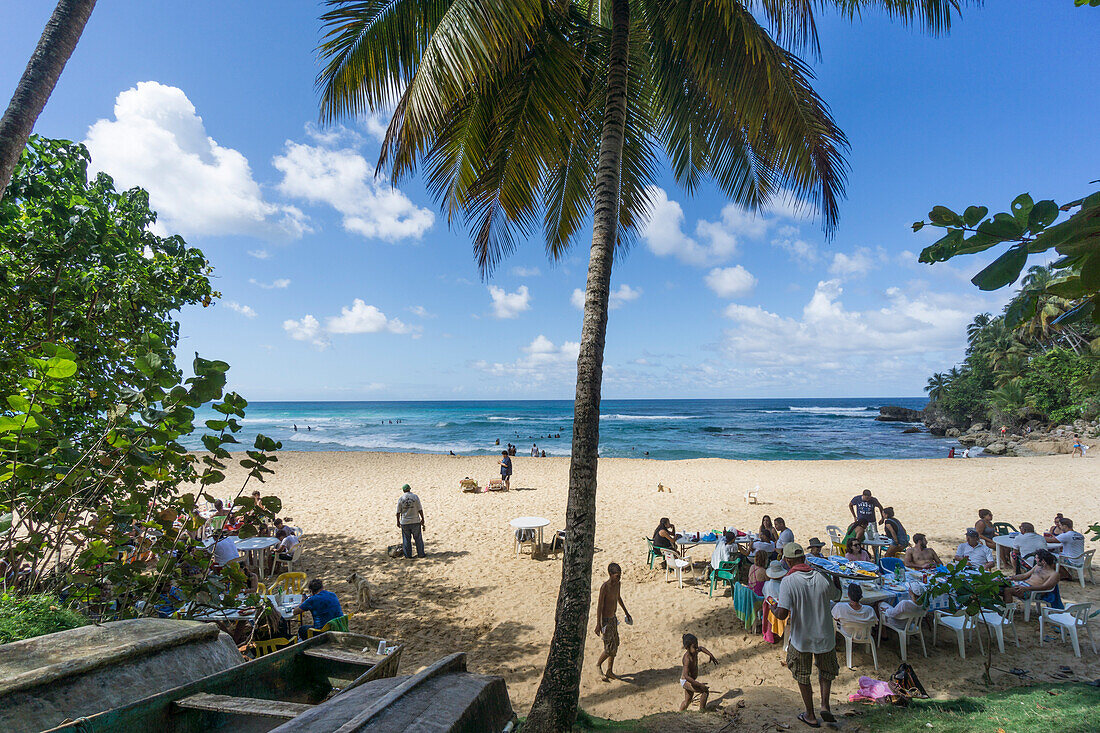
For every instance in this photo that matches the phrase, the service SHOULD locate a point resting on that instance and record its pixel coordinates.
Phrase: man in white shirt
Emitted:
(854, 611)
(725, 549)
(804, 598)
(974, 551)
(785, 534)
(410, 518)
(1073, 544)
(1027, 543)
(909, 605)
(225, 551)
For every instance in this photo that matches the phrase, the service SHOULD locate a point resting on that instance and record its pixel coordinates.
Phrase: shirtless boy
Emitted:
(1043, 577)
(920, 556)
(607, 623)
(690, 672)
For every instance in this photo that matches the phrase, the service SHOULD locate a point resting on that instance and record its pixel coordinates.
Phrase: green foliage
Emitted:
(1066, 708)
(93, 476)
(1057, 383)
(24, 617)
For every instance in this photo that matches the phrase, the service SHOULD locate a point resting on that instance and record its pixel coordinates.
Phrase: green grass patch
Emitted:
(24, 617)
(1066, 708)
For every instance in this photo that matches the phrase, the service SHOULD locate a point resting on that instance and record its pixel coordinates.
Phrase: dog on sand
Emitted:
(362, 591)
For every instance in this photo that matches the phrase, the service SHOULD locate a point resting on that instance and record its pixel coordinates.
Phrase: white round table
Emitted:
(536, 523)
(259, 545)
(1009, 541)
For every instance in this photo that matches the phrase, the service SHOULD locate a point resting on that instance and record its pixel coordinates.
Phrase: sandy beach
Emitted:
(472, 594)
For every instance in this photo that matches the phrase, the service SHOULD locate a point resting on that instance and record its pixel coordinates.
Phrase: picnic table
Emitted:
(1009, 541)
(284, 604)
(533, 523)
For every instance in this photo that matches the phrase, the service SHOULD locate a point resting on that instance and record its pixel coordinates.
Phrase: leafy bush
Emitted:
(34, 615)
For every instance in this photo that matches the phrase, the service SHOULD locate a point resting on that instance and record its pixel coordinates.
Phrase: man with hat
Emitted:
(815, 546)
(805, 598)
(974, 551)
(410, 518)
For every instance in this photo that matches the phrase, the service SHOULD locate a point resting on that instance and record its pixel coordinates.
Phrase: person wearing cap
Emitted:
(906, 605)
(805, 598)
(974, 551)
(775, 573)
(410, 518)
(854, 611)
(815, 546)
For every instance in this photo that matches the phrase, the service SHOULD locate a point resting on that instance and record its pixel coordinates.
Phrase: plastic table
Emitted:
(535, 523)
(1009, 541)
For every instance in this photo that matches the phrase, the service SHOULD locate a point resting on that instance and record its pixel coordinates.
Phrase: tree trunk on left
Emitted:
(39, 78)
(555, 705)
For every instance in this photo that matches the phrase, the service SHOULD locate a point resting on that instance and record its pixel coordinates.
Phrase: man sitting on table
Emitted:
(1026, 545)
(785, 534)
(1043, 577)
(974, 551)
(853, 611)
(920, 556)
(225, 551)
(322, 604)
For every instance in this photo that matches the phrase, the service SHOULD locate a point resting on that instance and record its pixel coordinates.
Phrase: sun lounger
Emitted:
(496, 485)
(469, 485)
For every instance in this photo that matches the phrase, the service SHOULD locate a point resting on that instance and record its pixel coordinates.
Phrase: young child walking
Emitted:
(690, 672)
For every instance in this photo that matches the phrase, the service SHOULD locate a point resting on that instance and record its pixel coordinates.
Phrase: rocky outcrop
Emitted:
(996, 449)
(952, 432)
(893, 413)
(911, 430)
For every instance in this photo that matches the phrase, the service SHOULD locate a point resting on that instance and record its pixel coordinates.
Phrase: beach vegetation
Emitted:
(528, 114)
(973, 591)
(28, 616)
(97, 491)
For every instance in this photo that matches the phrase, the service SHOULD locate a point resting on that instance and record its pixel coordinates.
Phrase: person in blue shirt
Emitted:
(322, 604)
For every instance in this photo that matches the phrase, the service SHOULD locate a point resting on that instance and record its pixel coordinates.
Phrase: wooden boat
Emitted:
(256, 696)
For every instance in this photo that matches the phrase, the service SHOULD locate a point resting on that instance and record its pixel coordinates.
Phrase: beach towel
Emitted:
(745, 605)
(771, 626)
(870, 690)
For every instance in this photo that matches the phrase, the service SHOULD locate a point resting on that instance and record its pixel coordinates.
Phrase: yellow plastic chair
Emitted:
(261, 589)
(340, 623)
(290, 583)
(267, 646)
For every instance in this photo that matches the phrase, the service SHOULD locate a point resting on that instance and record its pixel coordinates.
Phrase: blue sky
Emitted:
(337, 286)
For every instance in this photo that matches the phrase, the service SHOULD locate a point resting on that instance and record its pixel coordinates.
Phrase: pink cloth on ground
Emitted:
(870, 689)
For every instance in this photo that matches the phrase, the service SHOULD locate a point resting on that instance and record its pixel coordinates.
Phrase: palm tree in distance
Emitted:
(937, 385)
(555, 110)
(54, 48)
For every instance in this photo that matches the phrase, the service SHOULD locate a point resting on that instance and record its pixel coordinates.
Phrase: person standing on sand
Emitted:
(506, 469)
(607, 623)
(410, 518)
(690, 672)
(863, 507)
(804, 597)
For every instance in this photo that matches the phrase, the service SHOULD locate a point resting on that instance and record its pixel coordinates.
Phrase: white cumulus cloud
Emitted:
(363, 318)
(307, 329)
(541, 360)
(158, 141)
(509, 305)
(260, 254)
(730, 282)
(244, 310)
(281, 283)
(624, 294)
(860, 262)
(344, 180)
(526, 271)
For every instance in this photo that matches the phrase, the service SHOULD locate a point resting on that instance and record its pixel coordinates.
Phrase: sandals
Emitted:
(827, 716)
(802, 717)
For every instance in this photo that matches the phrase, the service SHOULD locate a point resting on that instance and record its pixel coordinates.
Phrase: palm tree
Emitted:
(530, 110)
(974, 330)
(937, 386)
(39, 78)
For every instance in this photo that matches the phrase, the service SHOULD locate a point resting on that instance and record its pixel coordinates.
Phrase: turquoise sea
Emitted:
(666, 429)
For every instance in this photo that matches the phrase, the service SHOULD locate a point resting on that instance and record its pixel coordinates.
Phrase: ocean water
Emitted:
(663, 429)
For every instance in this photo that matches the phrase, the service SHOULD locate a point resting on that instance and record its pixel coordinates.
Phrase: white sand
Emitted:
(471, 594)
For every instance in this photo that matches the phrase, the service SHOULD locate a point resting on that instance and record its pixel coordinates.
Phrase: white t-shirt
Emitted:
(408, 506)
(786, 536)
(722, 553)
(978, 556)
(767, 547)
(904, 607)
(1073, 543)
(807, 595)
(843, 611)
(771, 588)
(287, 545)
(225, 551)
(1029, 542)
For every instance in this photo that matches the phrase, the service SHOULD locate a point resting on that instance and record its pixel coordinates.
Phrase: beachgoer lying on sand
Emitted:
(920, 556)
(974, 551)
(690, 672)
(1043, 577)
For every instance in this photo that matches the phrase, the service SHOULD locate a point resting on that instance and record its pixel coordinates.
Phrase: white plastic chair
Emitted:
(751, 496)
(960, 623)
(998, 622)
(1033, 598)
(1078, 565)
(672, 562)
(836, 534)
(910, 626)
(857, 633)
(1071, 619)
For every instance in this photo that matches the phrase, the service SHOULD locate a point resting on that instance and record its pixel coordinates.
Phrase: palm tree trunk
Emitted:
(555, 705)
(39, 78)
